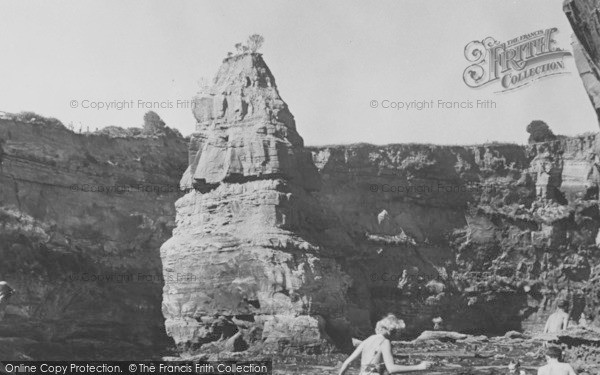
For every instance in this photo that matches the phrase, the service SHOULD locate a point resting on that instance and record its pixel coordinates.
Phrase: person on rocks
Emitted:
(514, 367)
(5, 293)
(376, 351)
(582, 320)
(559, 320)
(554, 365)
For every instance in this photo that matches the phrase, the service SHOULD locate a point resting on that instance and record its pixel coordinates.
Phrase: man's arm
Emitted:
(388, 359)
(352, 357)
(571, 371)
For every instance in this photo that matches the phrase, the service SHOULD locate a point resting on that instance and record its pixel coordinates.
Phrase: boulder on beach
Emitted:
(440, 336)
(516, 335)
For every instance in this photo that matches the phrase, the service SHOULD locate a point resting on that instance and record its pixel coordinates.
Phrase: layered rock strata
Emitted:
(487, 237)
(252, 251)
(271, 252)
(82, 217)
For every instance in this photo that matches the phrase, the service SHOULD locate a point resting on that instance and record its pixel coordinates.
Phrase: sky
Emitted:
(332, 60)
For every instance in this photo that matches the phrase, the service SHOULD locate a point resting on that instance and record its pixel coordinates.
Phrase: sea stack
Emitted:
(249, 256)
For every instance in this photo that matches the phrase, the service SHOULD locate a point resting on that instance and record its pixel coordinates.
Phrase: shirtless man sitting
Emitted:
(559, 320)
(376, 351)
(554, 366)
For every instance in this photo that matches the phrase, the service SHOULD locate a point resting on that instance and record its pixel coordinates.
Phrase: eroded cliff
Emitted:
(487, 237)
(269, 252)
(82, 217)
(276, 245)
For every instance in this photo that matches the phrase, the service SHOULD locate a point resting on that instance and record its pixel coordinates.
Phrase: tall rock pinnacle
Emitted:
(245, 131)
(251, 253)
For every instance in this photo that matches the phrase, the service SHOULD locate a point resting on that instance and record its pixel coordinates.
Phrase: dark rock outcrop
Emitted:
(487, 237)
(82, 217)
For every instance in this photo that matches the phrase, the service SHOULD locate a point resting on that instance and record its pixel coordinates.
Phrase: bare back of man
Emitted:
(557, 368)
(557, 322)
(371, 353)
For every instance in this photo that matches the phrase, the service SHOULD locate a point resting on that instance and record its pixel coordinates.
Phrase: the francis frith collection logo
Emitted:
(516, 62)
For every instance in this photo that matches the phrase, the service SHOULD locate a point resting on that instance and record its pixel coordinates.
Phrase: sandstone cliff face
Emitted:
(281, 246)
(245, 130)
(268, 252)
(399, 203)
(251, 253)
(488, 237)
(81, 221)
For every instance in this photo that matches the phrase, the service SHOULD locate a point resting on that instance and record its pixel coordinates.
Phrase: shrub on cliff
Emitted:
(34, 118)
(539, 131)
(153, 123)
(254, 42)
(118, 132)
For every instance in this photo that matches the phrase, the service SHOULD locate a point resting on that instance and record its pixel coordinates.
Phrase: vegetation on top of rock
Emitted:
(539, 131)
(153, 126)
(253, 44)
(118, 132)
(255, 41)
(34, 118)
